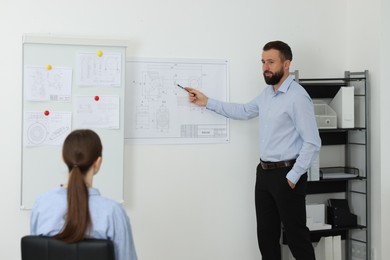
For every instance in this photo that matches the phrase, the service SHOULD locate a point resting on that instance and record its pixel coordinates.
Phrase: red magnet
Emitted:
(97, 98)
(46, 113)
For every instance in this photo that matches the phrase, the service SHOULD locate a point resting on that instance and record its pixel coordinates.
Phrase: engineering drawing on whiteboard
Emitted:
(158, 111)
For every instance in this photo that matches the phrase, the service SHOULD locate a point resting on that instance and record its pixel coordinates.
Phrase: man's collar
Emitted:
(286, 84)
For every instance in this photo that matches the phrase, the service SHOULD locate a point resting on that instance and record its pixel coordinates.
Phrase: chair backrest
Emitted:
(49, 248)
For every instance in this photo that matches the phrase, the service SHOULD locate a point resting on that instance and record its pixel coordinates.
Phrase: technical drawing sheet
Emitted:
(157, 111)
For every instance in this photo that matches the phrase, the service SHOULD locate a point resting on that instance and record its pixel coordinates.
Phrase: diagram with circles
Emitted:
(158, 111)
(50, 129)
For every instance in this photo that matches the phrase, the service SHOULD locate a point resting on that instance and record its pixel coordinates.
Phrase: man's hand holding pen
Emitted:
(197, 97)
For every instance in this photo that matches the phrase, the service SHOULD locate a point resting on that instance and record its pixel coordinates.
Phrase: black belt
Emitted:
(276, 165)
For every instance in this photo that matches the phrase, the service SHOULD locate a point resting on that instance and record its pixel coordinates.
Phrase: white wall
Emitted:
(185, 201)
(365, 30)
(385, 125)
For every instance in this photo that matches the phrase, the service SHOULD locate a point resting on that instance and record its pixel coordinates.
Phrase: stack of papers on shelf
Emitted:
(339, 175)
(317, 226)
(315, 217)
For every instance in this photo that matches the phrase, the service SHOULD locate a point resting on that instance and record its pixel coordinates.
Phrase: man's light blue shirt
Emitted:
(287, 125)
(109, 220)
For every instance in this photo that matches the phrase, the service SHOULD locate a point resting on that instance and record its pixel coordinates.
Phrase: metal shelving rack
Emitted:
(357, 150)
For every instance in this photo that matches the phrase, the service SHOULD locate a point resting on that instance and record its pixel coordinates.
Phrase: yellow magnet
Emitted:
(49, 67)
(99, 53)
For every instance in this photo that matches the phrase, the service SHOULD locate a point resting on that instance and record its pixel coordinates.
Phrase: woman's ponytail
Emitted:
(78, 220)
(80, 151)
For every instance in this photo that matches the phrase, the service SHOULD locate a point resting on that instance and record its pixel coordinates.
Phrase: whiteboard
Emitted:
(62, 81)
(158, 111)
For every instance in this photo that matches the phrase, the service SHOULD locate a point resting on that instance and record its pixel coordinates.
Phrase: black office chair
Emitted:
(49, 248)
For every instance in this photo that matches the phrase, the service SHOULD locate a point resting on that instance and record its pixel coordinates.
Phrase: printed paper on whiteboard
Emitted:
(94, 70)
(96, 112)
(43, 130)
(41, 84)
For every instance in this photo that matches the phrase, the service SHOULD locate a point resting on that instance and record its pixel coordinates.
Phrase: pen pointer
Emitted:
(192, 94)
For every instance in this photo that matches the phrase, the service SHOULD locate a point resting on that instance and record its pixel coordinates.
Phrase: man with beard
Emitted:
(289, 142)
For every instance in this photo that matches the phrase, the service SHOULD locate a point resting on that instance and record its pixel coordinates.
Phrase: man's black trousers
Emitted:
(277, 203)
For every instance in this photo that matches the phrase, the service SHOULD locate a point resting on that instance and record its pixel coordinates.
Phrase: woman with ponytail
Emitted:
(76, 210)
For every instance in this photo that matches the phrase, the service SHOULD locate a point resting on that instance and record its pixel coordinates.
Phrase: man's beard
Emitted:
(275, 77)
